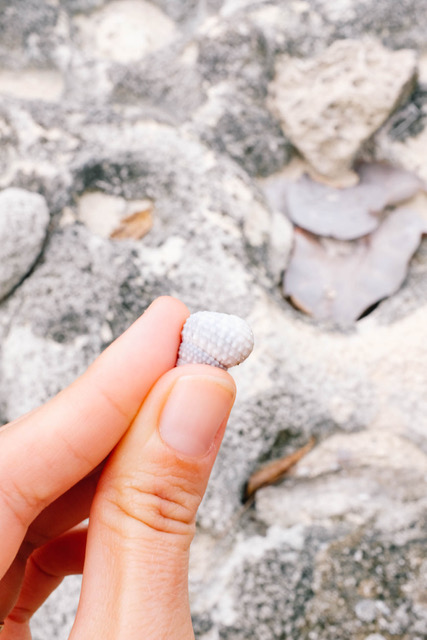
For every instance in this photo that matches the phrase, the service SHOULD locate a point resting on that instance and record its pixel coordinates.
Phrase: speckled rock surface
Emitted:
(351, 89)
(24, 218)
(99, 129)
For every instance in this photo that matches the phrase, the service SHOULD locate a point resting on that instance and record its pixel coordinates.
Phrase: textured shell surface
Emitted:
(219, 339)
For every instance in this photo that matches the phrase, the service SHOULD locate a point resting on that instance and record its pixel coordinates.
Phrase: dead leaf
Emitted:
(273, 471)
(347, 214)
(337, 281)
(135, 226)
(399, 185)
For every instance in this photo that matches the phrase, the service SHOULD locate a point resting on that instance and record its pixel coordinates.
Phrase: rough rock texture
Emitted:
(330, 105)
(24, 218)
(337, 550)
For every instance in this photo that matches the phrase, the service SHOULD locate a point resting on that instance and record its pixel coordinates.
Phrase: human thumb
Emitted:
(135, 579)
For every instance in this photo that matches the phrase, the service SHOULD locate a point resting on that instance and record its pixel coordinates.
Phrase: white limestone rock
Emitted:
(24, 218)
(331, 104)
(125, 31)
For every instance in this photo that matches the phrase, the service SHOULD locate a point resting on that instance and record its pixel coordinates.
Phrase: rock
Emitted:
(403, 137)
(59, 611)
(335, 549)
(327, 550)
(29, 37)
(280, 245)
(366, 610)
(169, 99)
(304, 28)
(82, 6)
(187, 9)
(409, 120)
(328, 121)
(242, 129)
(23, 352)
(58, 330)
(32, 85)
(235, 50)
(407, 153)
(125, 30)
(398, 26)
(24, 219)
(7, 142)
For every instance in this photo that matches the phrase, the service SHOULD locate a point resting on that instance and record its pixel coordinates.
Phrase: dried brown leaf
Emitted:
(135, 226)
(273, 471)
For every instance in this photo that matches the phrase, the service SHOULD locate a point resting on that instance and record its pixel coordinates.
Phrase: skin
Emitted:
(96, 450)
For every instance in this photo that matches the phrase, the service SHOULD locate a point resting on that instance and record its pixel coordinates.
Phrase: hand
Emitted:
(163, 426)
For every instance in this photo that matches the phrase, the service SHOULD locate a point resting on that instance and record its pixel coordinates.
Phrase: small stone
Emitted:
(24, 218)
(365, 610)
(218, 339)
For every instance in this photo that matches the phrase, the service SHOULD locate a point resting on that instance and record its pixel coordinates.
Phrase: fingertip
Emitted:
(196, 409)
(188, 406)
(169, 304)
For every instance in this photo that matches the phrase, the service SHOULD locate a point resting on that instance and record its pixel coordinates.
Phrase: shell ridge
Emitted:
(219, 339)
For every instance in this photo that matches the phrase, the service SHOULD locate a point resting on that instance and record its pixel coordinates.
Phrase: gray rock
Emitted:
(409, 121)
(398, 25)
(189, 10)
(242, 129)
(24, 219)
(404, 136)
(58, 329)
(236, 49)
(59, 612)
(28, 37)
(304, 28)
(8, 141)
(301, 570)
(171, 98)
(366, 610)
(82, 6)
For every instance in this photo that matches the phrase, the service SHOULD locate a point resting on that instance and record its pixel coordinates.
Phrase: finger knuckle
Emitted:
(160, 502)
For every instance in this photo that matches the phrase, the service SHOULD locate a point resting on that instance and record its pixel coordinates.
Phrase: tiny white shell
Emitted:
(219, 339)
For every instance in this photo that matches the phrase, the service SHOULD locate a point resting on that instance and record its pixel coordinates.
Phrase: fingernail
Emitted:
(196, 408)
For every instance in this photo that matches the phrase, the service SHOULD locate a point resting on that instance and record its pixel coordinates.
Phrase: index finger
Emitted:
(46, 452)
